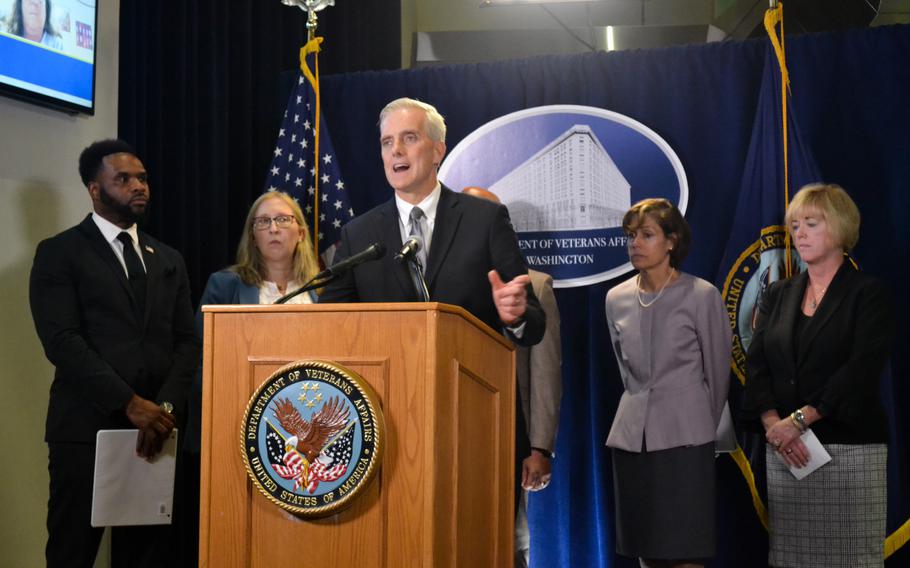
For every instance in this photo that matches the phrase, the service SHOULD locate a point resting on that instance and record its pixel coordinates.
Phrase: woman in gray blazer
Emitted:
(671, 336)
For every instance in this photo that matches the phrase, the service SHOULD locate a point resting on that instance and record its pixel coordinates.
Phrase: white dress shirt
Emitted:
(428, 205)
(268, 293)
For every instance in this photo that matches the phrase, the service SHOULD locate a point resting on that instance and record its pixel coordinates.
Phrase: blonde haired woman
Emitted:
(275, 256)
(820, 344)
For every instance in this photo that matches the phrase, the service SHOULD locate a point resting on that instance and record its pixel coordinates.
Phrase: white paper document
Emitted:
(818, 455)
(129, 490)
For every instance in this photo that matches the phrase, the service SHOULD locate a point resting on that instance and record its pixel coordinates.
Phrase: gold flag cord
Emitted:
(739, 456)
(773, 17)
(312, 46)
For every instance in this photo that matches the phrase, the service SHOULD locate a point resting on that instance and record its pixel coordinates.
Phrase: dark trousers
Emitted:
(72, 541)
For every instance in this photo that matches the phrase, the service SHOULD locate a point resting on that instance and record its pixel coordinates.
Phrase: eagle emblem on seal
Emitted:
(315, 450)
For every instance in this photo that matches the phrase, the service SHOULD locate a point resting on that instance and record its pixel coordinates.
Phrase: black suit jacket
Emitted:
(471, 236)
(837, 368)
(103, 349)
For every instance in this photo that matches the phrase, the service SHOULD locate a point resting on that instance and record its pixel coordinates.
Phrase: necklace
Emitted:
(816, 299)
(659, 294)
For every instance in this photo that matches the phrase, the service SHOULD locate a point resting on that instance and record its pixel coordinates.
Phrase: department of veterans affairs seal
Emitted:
(312, 437)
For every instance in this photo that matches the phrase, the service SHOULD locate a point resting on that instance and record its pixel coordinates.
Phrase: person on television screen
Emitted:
(31, 19)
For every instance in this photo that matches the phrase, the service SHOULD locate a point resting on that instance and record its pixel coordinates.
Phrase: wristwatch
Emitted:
(167, 407)
(800, 418)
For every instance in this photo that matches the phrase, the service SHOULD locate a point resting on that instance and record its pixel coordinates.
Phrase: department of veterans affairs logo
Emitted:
(312, 437)
(762, 263)
(568, 174)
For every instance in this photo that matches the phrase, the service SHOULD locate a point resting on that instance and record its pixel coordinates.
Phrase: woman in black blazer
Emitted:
(821, 341)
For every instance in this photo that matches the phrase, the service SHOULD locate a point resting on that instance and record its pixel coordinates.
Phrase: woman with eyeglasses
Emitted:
(275, 256)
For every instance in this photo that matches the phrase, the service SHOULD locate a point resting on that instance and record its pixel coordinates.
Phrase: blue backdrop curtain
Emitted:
(850, 93)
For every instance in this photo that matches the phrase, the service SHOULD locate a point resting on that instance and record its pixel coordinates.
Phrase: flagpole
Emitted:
(312, 46)
(773, 16)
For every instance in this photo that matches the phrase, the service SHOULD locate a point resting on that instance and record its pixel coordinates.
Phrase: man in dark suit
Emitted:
(472, 255)
(112, 308)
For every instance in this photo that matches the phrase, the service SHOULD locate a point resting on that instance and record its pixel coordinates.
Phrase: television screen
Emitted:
(47, 52)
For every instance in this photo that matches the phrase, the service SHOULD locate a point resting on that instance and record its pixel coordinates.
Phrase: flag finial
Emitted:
(311, 7)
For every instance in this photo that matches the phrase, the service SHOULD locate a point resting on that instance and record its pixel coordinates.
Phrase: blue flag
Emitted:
(756, 253)
(304, 163)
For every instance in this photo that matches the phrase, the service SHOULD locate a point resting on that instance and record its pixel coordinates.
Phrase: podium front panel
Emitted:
(438, 497)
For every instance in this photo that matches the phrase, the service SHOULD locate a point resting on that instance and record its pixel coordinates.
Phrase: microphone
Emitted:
(373, 252)
(410, 248)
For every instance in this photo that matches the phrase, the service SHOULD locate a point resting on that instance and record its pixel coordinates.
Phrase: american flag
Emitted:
(332, 462)
(304, 163)
(287, 462)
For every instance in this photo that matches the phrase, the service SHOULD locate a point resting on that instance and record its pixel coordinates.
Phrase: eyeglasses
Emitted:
(281, 221)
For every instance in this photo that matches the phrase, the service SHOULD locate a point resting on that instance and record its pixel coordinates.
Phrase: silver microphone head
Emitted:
(410, 248)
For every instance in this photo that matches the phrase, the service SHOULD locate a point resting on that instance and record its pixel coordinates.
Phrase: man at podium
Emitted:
(466, 244)
(467, 252)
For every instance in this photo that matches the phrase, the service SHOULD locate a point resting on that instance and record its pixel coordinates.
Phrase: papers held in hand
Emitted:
(818, 455)
(129, 490)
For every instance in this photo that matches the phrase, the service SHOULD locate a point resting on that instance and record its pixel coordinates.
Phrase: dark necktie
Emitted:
(417, 217)
(134, 269)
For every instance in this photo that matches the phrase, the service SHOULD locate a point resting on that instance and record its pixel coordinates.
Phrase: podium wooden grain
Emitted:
(444, 495)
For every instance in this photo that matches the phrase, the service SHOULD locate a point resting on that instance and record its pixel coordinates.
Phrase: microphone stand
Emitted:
(311, 285)
(424, 292)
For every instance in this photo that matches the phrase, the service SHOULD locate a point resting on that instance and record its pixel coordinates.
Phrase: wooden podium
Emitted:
(444, 497)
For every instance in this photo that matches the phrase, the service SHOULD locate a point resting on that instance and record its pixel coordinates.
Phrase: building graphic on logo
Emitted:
(567, 175)
(571, 184)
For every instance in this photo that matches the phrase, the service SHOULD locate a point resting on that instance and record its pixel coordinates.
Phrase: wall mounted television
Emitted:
(47, 52)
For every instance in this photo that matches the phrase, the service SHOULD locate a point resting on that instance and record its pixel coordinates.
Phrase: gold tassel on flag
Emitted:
(312, 46)
(773, 17)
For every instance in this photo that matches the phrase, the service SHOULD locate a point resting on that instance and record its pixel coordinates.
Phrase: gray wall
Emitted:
(40, 195)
